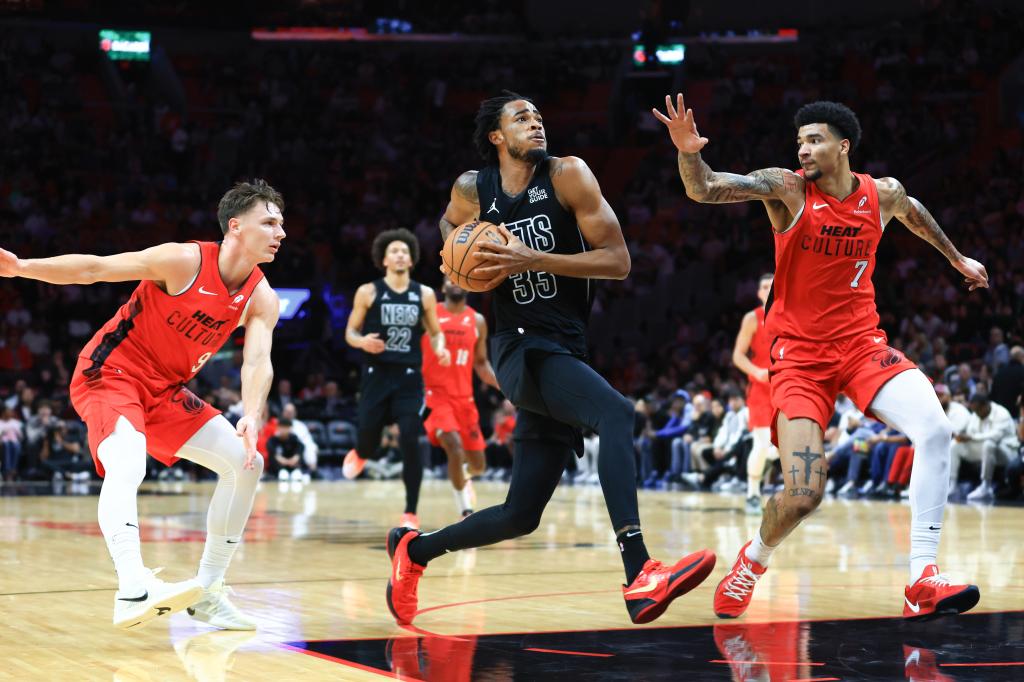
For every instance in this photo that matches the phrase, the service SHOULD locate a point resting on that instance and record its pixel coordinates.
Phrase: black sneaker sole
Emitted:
(953, 605)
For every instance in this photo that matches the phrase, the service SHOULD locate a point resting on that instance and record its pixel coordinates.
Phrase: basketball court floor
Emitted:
(313, 570)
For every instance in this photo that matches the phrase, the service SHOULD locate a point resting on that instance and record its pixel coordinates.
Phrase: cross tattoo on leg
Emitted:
(808, 457)
(793, 472)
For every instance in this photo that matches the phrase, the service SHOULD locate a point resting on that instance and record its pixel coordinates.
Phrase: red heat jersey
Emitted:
(823, 266)
(460, 338)
(760, 344)
(163, 340)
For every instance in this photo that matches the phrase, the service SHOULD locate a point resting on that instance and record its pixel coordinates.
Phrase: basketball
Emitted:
(462, 256)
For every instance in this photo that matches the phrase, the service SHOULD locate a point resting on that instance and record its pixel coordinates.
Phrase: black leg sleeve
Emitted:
(575, 394)
(409, 428)
(536, 469)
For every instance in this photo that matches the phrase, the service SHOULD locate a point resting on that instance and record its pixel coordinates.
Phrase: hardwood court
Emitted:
(313, 567)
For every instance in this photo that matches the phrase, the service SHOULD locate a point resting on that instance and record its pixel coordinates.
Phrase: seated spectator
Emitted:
(1008, 382)
(699, 439)
(40, 434)
(849, 456)
(11, 437)
(666, 454)
(68, 456)
(285, 451)
(990, 438)
(1015, 469)
(500, 446)
(883, 451)
(310, 450)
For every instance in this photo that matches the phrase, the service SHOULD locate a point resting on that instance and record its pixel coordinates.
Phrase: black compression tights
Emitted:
(575, 394)
(408, 443)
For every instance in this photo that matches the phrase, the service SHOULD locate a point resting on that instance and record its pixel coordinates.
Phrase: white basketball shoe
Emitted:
(215, 608)
(153, 598)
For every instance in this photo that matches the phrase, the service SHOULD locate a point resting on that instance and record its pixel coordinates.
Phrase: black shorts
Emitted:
(516, 358)
(388, 393)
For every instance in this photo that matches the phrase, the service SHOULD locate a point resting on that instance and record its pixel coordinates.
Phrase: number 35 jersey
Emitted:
(823, 266)
(551, 305)
(163, 340)
(398, 320)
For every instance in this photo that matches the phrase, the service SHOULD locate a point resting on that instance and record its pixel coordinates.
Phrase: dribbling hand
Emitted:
(503, 260)
(372, 343)
(975, 275)
(681, 128)
(248, 431)
(8, 264)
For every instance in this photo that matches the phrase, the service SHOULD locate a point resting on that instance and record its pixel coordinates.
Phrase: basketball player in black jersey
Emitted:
(561, 233)
(387, 320)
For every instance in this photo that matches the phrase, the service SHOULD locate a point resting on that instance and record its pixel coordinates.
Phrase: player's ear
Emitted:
(495, 137)
(844, 146)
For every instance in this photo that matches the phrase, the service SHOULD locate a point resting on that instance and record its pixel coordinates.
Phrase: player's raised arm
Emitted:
(433, 327)
(464, 204)
(894, 202)
(579, 192)
(371, 343)
(742, 346)
(705, 185)
(481, 363)
(171, 261)
(257, 372)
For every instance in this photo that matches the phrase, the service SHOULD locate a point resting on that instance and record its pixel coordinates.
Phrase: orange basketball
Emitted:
(461, 255)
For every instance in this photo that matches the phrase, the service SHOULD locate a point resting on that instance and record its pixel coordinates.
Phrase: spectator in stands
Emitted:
(310, 450)
(11, 437)
(997, 354)
(667, 451)
(40, 435)
(500, 446)
(1015, 469)
(285, 451)
(699, 439)
(68, 456)
(281, 397)
(731, 444)
(1008, 382)
(990, 438)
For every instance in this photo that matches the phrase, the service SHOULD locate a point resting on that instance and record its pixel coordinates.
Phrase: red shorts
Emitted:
(759, 404)
(806, 376)
(166, 419)
(448, 414)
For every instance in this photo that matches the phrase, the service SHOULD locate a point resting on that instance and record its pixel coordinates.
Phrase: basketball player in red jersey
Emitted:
(825, 339)
(753, 339)
(454, 422)
(129, 387)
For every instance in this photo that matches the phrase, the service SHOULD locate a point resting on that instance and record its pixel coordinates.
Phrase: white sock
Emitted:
(123, 455)
(462, 500)
(758, 551)
(753, 487)
(924, 546)
(126, 551)
(216, 557)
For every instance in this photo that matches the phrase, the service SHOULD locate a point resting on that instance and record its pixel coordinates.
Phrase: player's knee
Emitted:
(618, 414)
(803, 504)
(936, 434)
(523, 521)
(477, 468)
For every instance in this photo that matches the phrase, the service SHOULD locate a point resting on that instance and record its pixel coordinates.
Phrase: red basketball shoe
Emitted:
(405, 576)
(732, 596)
(352, 465)
(657, 585)
(933, 595)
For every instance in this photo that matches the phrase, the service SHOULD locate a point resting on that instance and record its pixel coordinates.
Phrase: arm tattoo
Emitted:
(706, 186)
(446, 228)
(465, 187)
(918, 220)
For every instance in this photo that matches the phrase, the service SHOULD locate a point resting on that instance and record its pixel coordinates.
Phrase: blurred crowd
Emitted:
(102, 159)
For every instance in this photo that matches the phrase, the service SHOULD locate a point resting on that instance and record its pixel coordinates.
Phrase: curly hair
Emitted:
(488, 119)
(244, 196)
(839, 118)
(381, 241)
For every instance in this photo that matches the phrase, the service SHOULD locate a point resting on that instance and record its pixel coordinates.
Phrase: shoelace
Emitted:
(937, 580)
(742, 583)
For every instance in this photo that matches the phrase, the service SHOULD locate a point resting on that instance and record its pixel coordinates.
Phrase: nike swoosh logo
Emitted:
(208, 293)
(633, 534)
(132, 525)
(913, 607)
(144, 597)
(649, 587)
(878, 339)
(443, 319)
(933, 528)
(817, 206)
(231, 542)
(913, 658)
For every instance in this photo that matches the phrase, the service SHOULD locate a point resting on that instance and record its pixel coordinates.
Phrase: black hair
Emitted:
(488, 119)
(381, 241)
(242, 197)
(284, 421)
(980, 398)
(839, 118)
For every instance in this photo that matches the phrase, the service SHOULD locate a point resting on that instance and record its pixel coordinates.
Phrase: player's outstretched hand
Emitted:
(975, 275)
(681, 126)
(373, 344)
(8, 264)
(248, 430)
(503, 260)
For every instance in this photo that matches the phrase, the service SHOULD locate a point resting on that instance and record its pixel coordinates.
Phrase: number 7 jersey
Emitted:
(823, 265)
